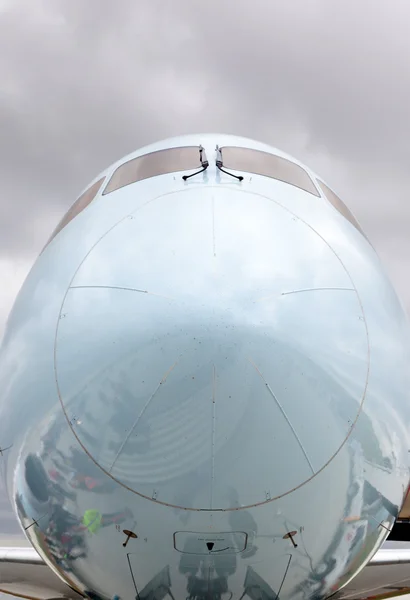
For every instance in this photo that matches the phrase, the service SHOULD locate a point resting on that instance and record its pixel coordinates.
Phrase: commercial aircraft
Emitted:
(205, 390)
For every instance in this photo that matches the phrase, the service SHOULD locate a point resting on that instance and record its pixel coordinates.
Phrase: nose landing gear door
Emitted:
(231, 542)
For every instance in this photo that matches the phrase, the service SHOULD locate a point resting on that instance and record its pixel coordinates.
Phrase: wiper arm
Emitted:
(204, 163)
(219, 164)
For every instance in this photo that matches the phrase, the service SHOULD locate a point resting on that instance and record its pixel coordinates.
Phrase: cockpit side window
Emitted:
(339, 206)
(156, 163)
(79, 205)
(268, 165)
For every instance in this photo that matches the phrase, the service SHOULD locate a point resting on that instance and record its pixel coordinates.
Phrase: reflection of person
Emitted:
(61, 529)
(71, 542)
(63, 544)
(93, 520)
(91, 484)
(57, 485)
(242, 520)
(83, 474)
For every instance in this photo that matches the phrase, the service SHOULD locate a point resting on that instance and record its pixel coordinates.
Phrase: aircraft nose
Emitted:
(211, 351)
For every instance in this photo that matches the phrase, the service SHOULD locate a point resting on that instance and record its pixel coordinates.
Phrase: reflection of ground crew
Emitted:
(90, 484)
(93, 520)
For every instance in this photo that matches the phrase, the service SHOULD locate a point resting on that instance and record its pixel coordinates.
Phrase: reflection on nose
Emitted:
(194, 338)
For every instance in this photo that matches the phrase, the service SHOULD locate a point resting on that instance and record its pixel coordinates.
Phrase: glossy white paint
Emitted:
(229, 362)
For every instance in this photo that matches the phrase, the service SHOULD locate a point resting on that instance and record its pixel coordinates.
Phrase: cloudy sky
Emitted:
(85, 82)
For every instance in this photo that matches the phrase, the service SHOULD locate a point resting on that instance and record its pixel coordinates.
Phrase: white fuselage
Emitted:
(217, 367)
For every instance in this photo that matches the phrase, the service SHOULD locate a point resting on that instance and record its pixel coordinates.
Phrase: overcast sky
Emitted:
(84, 82)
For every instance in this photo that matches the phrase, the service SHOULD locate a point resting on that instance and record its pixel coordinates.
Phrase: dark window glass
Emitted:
(79, 205)
(160, 162)
(339, 205)
(268, 165)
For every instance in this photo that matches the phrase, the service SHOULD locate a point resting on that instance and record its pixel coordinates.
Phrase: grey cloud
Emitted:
(83, 83)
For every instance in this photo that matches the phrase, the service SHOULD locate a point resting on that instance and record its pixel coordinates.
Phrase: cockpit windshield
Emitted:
(267, 165)
(187, 158)
(339, 206)
(79, 205)
(161, 162)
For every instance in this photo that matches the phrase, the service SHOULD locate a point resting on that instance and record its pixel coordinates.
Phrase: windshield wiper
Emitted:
(204, 163)
(219, 164)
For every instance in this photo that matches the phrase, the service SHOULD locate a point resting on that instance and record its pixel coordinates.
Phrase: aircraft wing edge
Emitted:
(390, 556)
(24, 574)
(20, 555)
(386, 575)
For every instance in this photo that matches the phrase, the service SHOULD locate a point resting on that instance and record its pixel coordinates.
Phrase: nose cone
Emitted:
(211, 351)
